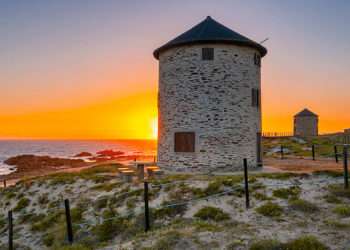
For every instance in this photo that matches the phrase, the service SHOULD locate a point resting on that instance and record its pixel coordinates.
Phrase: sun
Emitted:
(155, 128)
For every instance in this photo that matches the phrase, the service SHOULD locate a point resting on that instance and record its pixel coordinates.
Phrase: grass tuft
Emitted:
(305, 243)
(212, 213)
(338, 190)
(270, 209)
(342, 210)
(22, 203)
(266, 245)
(286, 193)
(303, 206)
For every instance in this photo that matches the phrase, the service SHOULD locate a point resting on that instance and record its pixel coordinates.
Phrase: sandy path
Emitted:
(303, 165)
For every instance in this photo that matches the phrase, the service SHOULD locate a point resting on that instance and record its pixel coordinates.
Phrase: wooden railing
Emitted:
(277, 134)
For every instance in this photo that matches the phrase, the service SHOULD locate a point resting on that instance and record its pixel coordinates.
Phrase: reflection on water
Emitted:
(69, 148)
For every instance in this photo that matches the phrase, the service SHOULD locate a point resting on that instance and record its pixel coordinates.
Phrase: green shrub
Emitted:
(9, 194)
(54, 204)
(107, 187)
(303, 205)
(111, 226)
(2, 221)
(74, 247)
(172, 178)
(47, 221)
(266, 245)
(336, 224)
(131, 203)
(212, 213)
(77, 214)
(331, 198)
(230, 181)
(261, 196)
(342, 210)
(302, 243)
(270, 209)
(305, 243)
(48, 239)
(21, 204)
(235, 244)
(169, 211)
(168, 241)
(62, 178)
(286, 193)
(101, 202)
(213, 188)
(30, 218)
(339, 190)
(43, 199)
(205, 226)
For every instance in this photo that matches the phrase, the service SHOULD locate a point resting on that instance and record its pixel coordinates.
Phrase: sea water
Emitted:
(69, 148)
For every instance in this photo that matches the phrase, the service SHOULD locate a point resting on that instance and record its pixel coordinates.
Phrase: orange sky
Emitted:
(132, 117)
(78, 70)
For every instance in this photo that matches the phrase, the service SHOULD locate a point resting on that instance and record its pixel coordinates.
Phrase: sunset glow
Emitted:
(70, 70)
(154, 128)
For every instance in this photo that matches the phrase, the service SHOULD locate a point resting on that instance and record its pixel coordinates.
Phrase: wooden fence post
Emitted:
(147, 225)
(313, 152)
(282, 152)
(346, 174)
(10, 221)
(246, 187)
(4, 183)
(68, 221)
(336, 153)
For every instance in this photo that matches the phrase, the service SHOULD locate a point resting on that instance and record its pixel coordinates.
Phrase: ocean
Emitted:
(69, 148)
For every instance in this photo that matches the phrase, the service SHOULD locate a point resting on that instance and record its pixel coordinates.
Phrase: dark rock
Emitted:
(110, 153)
(28, 162)
(83, 154)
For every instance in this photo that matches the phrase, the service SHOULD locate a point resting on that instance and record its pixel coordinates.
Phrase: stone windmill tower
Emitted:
(209, 102)
(305, 123)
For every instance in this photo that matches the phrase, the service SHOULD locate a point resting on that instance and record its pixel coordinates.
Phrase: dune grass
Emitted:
(270, 209)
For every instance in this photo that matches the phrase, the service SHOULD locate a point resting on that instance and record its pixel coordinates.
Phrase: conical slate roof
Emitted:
(306, 112)
(210, 31)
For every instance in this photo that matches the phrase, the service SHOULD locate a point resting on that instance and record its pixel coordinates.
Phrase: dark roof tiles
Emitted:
(306, 112)
(210, 31)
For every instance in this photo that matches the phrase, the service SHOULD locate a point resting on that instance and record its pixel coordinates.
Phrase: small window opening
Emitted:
(257, 60)
(207, 54)
(255, 97)
(184, 142)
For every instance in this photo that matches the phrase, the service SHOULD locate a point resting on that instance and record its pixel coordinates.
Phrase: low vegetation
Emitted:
(305, 243)
(339, 191)
(303, 206)
(324, 145)
(211, 213)
(108, 213)
(342, 210)
(22, 203)
(302, 243)
(270, 209)
(266, 245)
(168, 241)
(336, 224)
(286, 193)
(261, 196)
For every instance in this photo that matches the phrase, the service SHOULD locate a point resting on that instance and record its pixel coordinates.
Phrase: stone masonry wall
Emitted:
(212, 99)
(305, 126)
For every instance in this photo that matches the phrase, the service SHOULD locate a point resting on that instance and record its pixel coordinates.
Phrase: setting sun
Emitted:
(155, 128)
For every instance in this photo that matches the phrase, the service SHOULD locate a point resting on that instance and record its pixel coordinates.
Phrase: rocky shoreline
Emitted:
(29, 165)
